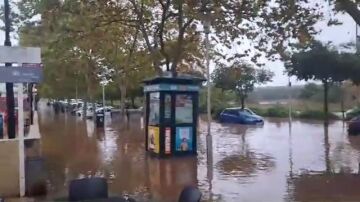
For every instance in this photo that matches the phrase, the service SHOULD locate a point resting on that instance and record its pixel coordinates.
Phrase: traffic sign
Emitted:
(21, 74)
(13, 54)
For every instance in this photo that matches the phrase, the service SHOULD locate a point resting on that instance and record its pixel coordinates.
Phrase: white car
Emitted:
(81, 111)
(108, 110)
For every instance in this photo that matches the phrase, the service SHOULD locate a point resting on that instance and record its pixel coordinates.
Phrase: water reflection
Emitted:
(245, 165)
(282, 163)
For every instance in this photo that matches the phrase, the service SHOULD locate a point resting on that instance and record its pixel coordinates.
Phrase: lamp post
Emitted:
(10, 101)
(103, 99)
(290, 103)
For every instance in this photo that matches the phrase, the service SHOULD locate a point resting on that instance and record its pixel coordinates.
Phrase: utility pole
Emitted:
(10, 100)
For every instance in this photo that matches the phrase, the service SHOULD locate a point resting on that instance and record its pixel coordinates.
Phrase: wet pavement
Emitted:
(304, 162)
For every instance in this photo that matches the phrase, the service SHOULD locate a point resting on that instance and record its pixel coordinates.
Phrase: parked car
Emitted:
(80, 111)
(241, 116)
(108, 110)
(75, 107)
(351, 113)
(354, 126)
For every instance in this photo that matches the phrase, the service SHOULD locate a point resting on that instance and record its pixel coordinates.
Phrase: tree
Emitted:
(323, 64)
(241, 78)
(137, 35)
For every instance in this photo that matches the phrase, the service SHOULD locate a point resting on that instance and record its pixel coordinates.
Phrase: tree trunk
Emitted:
(326, 101)
(327, 148)
(84, 108)
(242, 102)
(112, 102)
(123, 98)
(94, 110)
(133, 102)
(343, 108)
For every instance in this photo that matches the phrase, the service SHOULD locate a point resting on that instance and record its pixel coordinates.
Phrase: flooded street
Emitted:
(304, 162)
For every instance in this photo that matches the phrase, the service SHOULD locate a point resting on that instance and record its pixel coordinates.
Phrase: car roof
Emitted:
(237, 108)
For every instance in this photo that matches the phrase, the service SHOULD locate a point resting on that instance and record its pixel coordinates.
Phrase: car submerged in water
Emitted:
(241, 116)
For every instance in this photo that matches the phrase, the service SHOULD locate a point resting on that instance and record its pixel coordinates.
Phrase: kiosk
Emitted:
(171, 115)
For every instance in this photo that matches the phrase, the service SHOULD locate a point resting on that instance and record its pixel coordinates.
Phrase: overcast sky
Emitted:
(336, 34)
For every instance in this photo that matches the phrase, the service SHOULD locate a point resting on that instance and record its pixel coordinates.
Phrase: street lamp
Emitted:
(206, 25)
(10, 100)
(290, 102)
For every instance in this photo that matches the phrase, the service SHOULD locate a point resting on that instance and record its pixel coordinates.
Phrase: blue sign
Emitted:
(21, 74)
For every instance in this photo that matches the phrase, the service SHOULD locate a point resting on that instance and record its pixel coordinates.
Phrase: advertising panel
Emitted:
(167, 140)
(184, 109)
(184, 139)
(153, 139)
(154, 109)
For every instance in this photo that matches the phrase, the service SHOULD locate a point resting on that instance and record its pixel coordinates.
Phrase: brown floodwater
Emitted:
(275, 162)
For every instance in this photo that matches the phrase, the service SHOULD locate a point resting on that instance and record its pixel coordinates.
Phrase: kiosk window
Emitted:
(184, 109)
(154, 109)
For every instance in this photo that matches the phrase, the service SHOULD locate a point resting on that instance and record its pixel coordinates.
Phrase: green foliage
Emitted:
(311, 114)
(314, 92)
(319, 63)
(219, 101)
(240, 77)
(310, 90)
(276, 111)
(326, 65)
(282, 112)
(138, 38)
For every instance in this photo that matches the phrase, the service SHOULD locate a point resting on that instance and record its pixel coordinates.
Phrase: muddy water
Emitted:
(304, 162)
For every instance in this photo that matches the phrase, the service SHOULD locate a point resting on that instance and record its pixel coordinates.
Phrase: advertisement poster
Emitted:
(153, 139)
(184, 109)
(167, 107)
(167, 140)
(184, 139)
(154, 109)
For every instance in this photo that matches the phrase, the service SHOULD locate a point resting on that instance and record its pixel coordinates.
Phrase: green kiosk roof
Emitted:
(179, 79)
(181, 82)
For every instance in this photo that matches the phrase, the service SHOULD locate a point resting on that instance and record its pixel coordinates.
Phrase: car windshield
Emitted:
(245, 112)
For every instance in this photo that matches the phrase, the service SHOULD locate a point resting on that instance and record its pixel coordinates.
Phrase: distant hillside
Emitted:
(275, 93)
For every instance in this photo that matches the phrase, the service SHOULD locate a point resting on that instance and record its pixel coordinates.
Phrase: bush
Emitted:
(277, 111)
(259, 111)
(312, 114)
